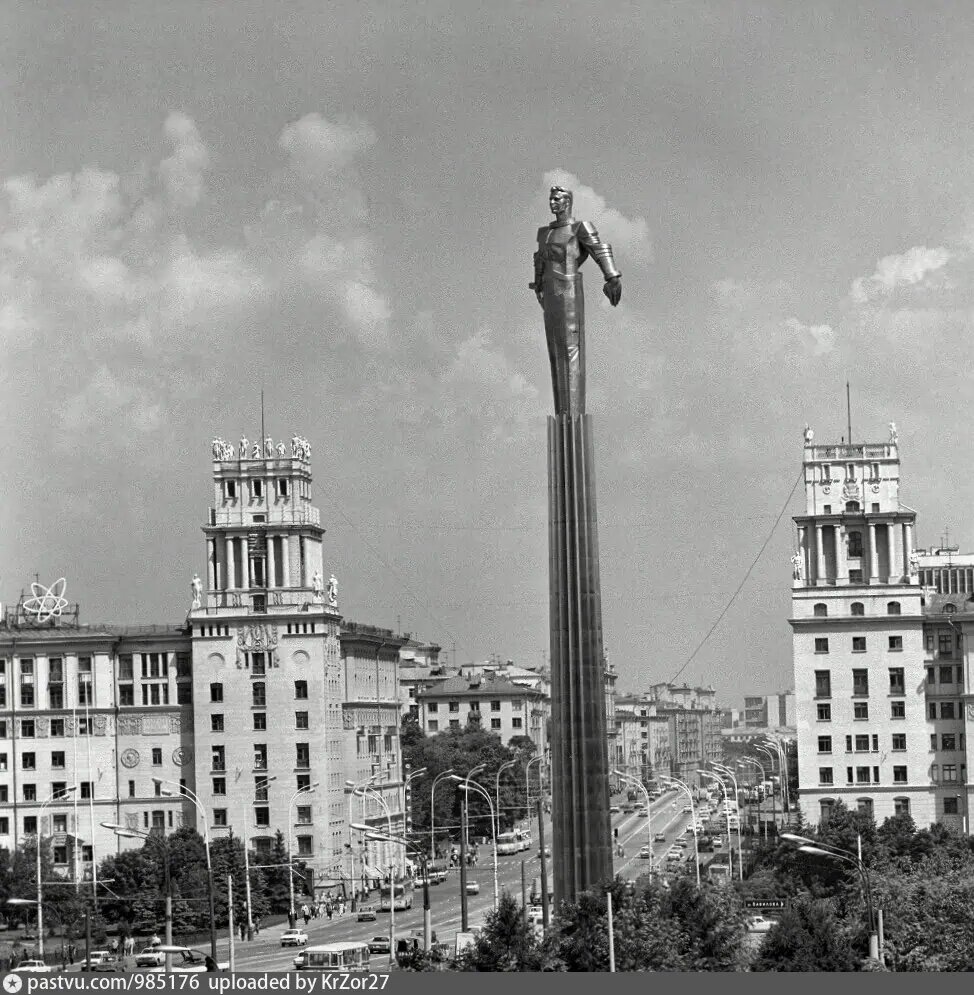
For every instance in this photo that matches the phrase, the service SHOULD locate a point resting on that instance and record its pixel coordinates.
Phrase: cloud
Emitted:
(182, 172)
(319, 149)
(628, 236)
(820, 337)
(892, 272)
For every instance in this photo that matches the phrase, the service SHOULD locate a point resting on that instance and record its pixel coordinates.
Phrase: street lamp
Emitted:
(194, 798)
(771, 759)
(723, 788)
(527, 781)
(137, 834)
(350, 787)
(261, 782)
(757, 764)
(465, 785)
(440, 776)
(782, 770)
(740, 836)
(497, 791)
(369, 791)
(629, 779)
(819, 849)
(56, 796)
(693, 815)
(290, 833)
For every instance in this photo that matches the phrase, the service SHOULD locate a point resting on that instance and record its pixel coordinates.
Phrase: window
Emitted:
(184, 694)
(300, 720)
(125, 668)
(303, 813)
(931, 675)
(131, 789)
(86, 791)
(901, 806)
(933, 741)
(60, 824)
(262, 816)
(948, 741)
(899, 741)
(126, 695)
(432, 707)
(892, 608)
(823, 684)
(855, 538)
(260, 756)
(946, 674)
(57, 759)
(821, 645)
(27, 683)
(282, 487)
(862, 775)
(156, 756)
(897, 709)
(184, 665)
(216, 722)
(495, 723)
(824, 713)
(28, 761)
(258, 664)
(825, 807)
(931, 709)
(218, 758)
(433, 725)
(305, 846)
(155, 694)
(860, 710)
(30, 792)
(825, 775)
(860, 682)
(945, 645)
(231, 489)
(855, 576)
(216, 692)
(960, 675)
(454, 706)
(857, 608)
(84, 681)
(303, 755)
(495, 706)
(896, 644)
(219, 785)
(947, 710)
(950, 609)
(827, 509)
(862, 744)
(474, 706)
(950, 772)
(848, 744)
(820, 610)
(85, 727)
(929, 642)
(858, 644)
(260, 721)
(26, 728)
(30, 825)
(865, 806)
(824, 744)
(259, 694)
(302, 781)
(517, 722)
(950, 806)
(301, 690)
(219, 817)
(896, 680)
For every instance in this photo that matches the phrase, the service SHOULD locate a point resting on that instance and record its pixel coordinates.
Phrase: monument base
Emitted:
(582, 837)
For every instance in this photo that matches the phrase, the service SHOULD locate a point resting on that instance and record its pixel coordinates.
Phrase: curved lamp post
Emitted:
(819, 849)
(629, 779)
(350, 787)
(446, 773)
(497, 792)
(721, 768)
(723, 789)
(466, 785)
(756, 763)
(693, 815)
(194, 798)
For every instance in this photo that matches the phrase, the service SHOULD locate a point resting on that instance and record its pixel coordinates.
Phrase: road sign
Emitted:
(764, 903)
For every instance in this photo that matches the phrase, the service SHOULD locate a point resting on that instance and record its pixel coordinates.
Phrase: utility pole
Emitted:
(464, 921)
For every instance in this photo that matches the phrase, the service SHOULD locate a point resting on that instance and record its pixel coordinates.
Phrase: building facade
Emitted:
(881, 679)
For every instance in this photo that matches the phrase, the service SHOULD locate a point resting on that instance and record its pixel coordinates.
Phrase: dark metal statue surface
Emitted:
(563, 246)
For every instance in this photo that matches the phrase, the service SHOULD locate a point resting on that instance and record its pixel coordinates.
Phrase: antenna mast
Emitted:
(848, 410)
(263, 434)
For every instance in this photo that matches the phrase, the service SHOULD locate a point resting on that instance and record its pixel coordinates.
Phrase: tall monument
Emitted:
(582, 844)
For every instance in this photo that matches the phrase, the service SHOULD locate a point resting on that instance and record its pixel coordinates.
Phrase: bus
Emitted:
(403, 891)
(507, 843)
(340, 958)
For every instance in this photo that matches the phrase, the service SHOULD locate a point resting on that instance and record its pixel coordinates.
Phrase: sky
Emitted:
(337, 204)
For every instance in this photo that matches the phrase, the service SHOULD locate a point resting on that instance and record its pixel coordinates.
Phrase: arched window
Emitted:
(949, 609)
(892, 608)
(855, 538)
(901, 806)
(857, 608)
(826, 807)
(821, 610)
(853, 506)
(865, 806)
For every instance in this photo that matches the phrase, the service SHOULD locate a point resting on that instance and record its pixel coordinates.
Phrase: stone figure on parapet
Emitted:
(222, 450)
(893, 436)
(809, 435)
(563, 245)
(268, 447)
(300, 448)
(281, 450)
(255, 452)
(333, 591)
(914, 563)
(798, 566)
(317, 585)
(197, 586)
(244, 443)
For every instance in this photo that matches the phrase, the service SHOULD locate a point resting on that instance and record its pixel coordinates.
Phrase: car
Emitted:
(366, 913)
(659, 838)
(547, 853)
(614, 810)
(760, 924)
(33, 967)
(100, 957)
(379, 945)
(294, 938)
(718, 842)
(301, 961)
(683, 843)
(644, 852)
(473, 887)
(643, 811)
(150, 956)
(674, 858)
(688, 809)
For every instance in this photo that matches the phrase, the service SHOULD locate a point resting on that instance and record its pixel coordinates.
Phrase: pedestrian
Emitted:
(341, 907)
(257, 925)
(113, 947)
(243, 930)
(328, 911)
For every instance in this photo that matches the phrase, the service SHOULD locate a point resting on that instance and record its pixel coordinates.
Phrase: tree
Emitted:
(807, 937)
(507, 943)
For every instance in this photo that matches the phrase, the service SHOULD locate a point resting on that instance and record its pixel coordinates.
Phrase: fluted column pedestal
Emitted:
(582, 843)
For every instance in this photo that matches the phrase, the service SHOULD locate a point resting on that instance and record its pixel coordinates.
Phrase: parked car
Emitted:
(150, 956)
(688, 809)
(643, 811)
(659, 838)
(33, 967)
(98, 957)
(379, 945)
(366, 913)
(718, 842)
(294, 938)
(473, 887)
(301, 961)
(760, 924)
(614, 810)
(644, 852)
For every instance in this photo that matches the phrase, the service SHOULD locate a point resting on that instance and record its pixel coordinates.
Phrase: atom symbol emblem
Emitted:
(48, 602)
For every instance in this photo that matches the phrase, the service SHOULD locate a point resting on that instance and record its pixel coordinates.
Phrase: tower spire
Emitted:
(848, 410)
(263, 434)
